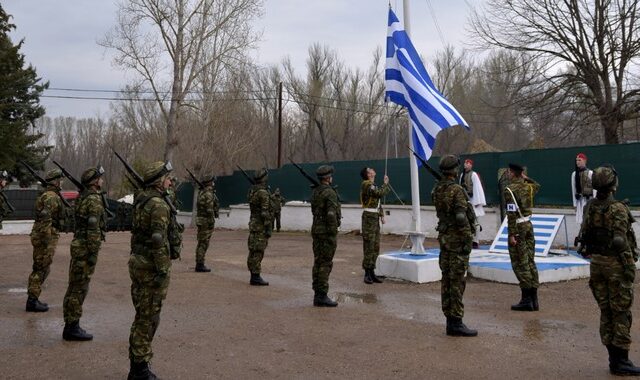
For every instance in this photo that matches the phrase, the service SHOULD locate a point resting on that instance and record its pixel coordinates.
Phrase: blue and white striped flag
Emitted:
(408, 84)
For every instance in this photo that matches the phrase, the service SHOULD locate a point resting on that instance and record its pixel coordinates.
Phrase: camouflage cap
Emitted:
(261, 175)
(90, 174)
(155, 171)
(208, 178)
(53, 174)
(449, 163)
(324, 171)
(604, 178)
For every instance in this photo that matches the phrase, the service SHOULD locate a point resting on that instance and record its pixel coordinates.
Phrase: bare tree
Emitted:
(590, 49)
(169, 44)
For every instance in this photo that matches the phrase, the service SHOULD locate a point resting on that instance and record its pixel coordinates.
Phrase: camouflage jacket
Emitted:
(449, 199)
(524, 192)
(277, 202)
(261, 209)
(603, 219)
(151, 215)
(208, 207)
(90, 218)
(4, 207)
(326, 210)
(50, 212)
(370, 194)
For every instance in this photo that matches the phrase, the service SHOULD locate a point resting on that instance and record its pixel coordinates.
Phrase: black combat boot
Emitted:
(526, 303)
(367, 277)
(455, 327)
(200, 267)
(257, 280)
(72, 331)
(534, 298)
(36, 306)
(141, 371)
(619, 363)
(322, 300)
(374, 278)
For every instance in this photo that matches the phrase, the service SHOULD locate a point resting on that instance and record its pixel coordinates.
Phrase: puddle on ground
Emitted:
(356, 298)
(539, 329)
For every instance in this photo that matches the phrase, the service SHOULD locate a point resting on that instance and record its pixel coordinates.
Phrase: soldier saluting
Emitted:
(370, 196)
(610, 241)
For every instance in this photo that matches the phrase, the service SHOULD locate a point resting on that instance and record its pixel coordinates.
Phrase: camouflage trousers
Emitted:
(370, 239)
(81, 268)
(454, 262)
(44, 247)
(324, 248)
(522, 255)
(612, 287)
(257, 244)
(276, 220)
(204, 237)
(147, 293)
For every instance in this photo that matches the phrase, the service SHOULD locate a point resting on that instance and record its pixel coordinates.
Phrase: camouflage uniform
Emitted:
(4, 207)
(260, 223)
(90, 229)
(610, 241)
(208, 209)
(278, 201)
(149, 264)
(50, 219)
(455, 237)
(370, 196)
(518, 214)
(324, 231)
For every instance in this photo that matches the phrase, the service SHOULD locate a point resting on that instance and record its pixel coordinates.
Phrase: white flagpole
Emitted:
(416, 236)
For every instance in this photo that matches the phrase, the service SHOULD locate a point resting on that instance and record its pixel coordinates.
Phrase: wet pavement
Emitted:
(215, 326)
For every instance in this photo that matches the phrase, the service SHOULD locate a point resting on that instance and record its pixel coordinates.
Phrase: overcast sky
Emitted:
(60, 38)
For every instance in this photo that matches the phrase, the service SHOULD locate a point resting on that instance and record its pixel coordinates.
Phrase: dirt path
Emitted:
(216, 326)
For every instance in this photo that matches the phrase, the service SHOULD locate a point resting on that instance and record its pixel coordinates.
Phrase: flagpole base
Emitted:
(417, 240)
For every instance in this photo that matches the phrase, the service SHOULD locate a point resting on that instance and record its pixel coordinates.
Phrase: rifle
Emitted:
(200, 184)
(6, 201)
(138, 182)
(42, 181)
(247, 176)
(314, 182)
(82, 188)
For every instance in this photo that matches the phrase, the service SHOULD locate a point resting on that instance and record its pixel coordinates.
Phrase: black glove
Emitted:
(578, 196)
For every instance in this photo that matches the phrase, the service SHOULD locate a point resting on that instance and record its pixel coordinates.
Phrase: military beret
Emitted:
(260, 174)
(516, 167)
(324, 171)
(208, 178)
(90, 174)
(449, 162)
(155, 171)
(53, 174)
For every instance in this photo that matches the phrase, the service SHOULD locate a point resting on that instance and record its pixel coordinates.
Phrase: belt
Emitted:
(370, 210)
(523, 219)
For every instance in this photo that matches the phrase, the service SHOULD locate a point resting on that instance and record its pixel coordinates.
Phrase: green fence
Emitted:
(550, 167)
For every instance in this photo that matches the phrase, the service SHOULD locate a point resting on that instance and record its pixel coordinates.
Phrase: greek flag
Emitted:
(408, 84)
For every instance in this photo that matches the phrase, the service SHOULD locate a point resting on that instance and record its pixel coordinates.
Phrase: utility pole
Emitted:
(279, 124)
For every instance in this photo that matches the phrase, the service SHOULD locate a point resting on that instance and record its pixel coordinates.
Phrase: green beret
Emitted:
(449, 162)
(261, 175)
(324, 171)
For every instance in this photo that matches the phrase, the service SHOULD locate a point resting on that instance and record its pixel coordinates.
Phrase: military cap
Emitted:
(208, 178)
(324, 171)
(155, 171)
(516, 167)
(261, 175)
(90, 174)
(53, 174)
(449, 162)
(604, 178)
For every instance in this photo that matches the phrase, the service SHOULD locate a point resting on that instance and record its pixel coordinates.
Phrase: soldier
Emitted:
(260, 225)
(611, 244)
(324, 231)
(149, 264)
(4, 204)
(208, 210)
(370, 196)
(278, 202)
(519, 196)
(455, 235)
(581, 187)
(90, 228)
(49, 220)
